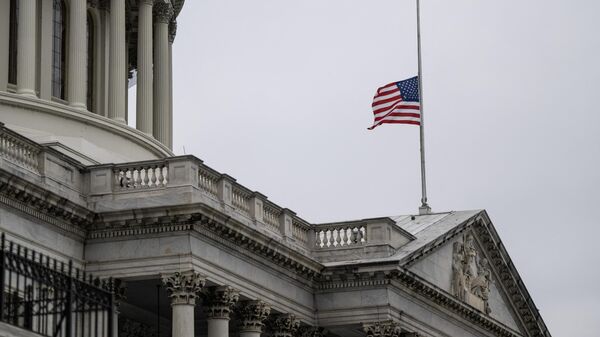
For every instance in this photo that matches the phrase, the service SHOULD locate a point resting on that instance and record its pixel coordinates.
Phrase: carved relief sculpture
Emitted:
(471, 274)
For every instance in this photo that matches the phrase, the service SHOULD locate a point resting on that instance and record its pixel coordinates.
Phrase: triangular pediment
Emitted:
(470, 265)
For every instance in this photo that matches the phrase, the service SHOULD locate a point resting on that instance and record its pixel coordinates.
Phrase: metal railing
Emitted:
(52, 298)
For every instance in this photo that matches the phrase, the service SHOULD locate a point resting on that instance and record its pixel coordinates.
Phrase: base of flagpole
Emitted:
(424, 209)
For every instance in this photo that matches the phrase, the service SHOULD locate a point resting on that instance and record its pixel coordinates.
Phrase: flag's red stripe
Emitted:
(387, 86)
(387, 100)
(401, 122)
(394, 106)
(387, 108)
(398, 114)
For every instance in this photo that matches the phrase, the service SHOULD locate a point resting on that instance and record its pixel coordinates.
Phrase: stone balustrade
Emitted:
(19, 150)
(152, 175)
(340, 235)
(171, 178)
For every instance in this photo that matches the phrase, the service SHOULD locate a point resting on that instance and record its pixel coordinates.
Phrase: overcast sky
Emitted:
(277, 94)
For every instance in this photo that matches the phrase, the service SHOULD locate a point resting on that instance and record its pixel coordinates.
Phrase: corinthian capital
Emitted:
(219, 301)
(253, 315)
(172, 30)
(163, 11)
(183, 287)
(285, 325)
(382, 329)
(310, 331)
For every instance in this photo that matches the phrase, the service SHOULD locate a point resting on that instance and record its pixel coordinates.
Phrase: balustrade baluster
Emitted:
(160, 176)
(152, 171)
(146, 177)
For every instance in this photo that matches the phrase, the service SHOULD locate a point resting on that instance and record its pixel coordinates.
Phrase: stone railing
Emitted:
(219, 190)
(340, 235)
(208, 180)
(18, 149)
(146, 176)
(377, 237)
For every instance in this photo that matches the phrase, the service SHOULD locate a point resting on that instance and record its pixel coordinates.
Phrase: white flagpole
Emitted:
(424, 209)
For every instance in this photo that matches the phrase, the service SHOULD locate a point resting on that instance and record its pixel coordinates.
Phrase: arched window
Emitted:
(12, 43)
(90, 63)
(59, 53)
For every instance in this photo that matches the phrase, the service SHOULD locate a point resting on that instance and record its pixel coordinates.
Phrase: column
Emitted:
(26, 48)
(182, 288)
(382, 329)
(253, 315)
(219, 302)
(144, 68)
(285, 325)
(77, 57)
(117, 62)
(172, 33)
(4, 38)
(163, 11)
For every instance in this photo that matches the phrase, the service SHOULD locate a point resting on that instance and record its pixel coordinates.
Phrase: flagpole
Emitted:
(424, 209)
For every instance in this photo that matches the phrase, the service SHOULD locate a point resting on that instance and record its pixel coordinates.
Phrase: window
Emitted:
(12, 43)
(90, 62)
(59, 40)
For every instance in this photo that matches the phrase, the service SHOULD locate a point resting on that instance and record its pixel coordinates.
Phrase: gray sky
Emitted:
(277, 94)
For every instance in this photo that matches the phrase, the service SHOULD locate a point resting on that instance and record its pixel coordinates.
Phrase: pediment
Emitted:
(471, 266)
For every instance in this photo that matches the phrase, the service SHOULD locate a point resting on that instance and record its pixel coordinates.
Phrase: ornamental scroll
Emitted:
(471, 274)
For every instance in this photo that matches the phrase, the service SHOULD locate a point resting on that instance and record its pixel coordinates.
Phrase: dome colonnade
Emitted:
(83, 53)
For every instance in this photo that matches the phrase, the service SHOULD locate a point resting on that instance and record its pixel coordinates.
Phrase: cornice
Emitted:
(510, 278)
(194, 218)
(404, 279)
(43, 205)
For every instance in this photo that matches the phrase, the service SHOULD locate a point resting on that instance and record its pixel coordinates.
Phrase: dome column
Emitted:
(26, 48)
(117, 62)
(145, 84)
(77, 66)
(4, 38)
(163, 12)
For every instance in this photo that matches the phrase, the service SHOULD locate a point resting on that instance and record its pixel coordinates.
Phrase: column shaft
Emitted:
(183, 320)
(145, 77)
(160, 124)
(161, 83)
(218, 327)
(117, 62)
(170, 93)
(4, 40)
(26, 48)
(77, 59)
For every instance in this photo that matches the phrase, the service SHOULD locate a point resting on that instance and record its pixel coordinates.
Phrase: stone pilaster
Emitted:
(117, 62)
(145, 79)
(253, 315)
(218, 305)
(26, 45)
(183, 288)
(77, 59)
(382, 329)
(285, 325)
(163, 12)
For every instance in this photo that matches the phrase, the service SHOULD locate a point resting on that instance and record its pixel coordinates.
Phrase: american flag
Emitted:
(397, 103)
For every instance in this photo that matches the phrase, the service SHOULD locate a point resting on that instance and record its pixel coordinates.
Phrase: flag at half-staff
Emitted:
(397, 103)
